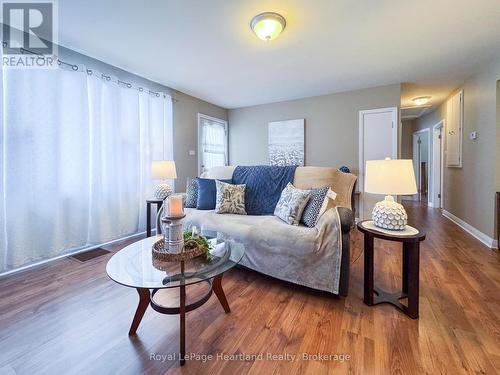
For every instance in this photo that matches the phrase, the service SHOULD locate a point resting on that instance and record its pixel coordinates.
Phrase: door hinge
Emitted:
(439, 195)
(439, 136)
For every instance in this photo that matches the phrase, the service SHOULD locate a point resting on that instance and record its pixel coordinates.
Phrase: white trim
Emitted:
(440, 125)
(476, 233)
(429, 180)
(395, 126)
(207, 117)
(70, 254)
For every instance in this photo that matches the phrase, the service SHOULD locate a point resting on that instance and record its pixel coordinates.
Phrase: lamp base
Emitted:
(389, 214)
(162, 191)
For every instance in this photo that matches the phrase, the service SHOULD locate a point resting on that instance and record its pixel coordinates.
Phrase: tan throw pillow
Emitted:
(230, 199)
(291, 204)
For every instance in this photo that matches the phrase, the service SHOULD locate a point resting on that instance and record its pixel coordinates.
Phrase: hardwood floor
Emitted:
(68, 317)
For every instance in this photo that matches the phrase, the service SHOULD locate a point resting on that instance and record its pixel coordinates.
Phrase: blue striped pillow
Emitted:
(311, 212)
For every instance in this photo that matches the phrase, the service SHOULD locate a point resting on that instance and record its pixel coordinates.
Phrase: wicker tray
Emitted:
(191, 250)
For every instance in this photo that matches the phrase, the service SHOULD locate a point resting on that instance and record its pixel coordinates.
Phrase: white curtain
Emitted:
(214, 143)
(76, 162)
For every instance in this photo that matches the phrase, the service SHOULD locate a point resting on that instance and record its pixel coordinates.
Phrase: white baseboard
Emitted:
(15, 270)
(484, 238)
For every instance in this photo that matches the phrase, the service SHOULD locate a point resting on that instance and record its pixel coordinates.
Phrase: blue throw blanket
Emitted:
(264, 185)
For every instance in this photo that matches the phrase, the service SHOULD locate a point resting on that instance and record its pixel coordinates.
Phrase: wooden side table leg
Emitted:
(413, 279)
(158, 207)
(182, 325)
(144, 297)
(219, 292)
(406, 261)
(368, 265)
(148, 219)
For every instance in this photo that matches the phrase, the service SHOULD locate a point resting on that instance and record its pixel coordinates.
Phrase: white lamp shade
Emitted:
(390, 177)
(163, 170)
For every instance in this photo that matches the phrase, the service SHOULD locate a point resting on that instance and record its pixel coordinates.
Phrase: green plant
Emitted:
(201, 241)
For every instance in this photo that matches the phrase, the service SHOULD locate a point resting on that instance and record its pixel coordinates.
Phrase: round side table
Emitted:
(158, 202)
(411, 266)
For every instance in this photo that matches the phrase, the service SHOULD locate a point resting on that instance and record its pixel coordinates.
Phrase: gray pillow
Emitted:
(191, 193)
(291, 204)
(230, 199)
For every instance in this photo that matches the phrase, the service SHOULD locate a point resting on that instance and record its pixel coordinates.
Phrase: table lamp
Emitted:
(163, 170)
(390, 177)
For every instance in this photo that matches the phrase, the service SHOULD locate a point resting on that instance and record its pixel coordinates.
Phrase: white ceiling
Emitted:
(206, 48)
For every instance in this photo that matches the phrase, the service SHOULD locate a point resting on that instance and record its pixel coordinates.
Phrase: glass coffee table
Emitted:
(134, 267)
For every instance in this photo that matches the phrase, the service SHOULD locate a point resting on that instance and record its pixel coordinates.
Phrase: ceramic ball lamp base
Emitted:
(389, 214)
(162, 191)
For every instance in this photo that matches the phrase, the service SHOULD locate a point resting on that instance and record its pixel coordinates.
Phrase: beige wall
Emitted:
(469, 191)
(186, 111)
(498, 139)
(407, 139)
(497, 170)
(331, 126)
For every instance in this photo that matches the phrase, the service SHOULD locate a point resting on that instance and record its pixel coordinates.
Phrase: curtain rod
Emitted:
(90, 72)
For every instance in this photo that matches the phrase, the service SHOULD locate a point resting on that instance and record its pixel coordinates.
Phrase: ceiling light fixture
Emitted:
(268, 25)
(421, 100)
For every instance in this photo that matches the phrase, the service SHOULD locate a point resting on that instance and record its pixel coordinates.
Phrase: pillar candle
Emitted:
(175, 208)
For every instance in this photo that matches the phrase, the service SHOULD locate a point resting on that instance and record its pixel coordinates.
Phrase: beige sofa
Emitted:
(313, 257)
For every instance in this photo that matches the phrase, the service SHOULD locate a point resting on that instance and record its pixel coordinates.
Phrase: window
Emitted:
(212, 142)
(76, 152)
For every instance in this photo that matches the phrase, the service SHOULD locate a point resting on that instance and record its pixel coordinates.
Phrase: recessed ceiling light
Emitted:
(421, 100)
(268, 25)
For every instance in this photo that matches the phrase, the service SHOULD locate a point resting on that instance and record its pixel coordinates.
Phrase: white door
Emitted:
(454, 108)
(212, 143)
(422, 160)
(437, 173)
(378, 139)
(416, 163)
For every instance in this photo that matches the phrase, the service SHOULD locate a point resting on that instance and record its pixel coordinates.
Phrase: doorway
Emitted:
(378, 139)
(422, 164)
(437, 165)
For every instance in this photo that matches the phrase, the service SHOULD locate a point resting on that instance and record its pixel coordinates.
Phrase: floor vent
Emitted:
(89, 255)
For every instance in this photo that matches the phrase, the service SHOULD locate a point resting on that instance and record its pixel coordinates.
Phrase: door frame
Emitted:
(395, 141)
(211, 118)
(440, 125)
(429, 157)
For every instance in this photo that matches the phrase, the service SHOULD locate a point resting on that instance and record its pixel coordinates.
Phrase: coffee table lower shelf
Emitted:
(146, 298)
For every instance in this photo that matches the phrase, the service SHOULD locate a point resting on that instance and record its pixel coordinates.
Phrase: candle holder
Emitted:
(175, 241)
(165, 229)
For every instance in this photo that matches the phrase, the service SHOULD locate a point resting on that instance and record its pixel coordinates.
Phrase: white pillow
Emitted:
(230, 199)
(291, 204)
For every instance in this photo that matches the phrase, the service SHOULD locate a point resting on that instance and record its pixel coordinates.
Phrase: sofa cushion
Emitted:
(291, 204)
(230, 199)
(219, 173)
(315, 177)
(207, 193)
(191, 193)
(315, 206)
